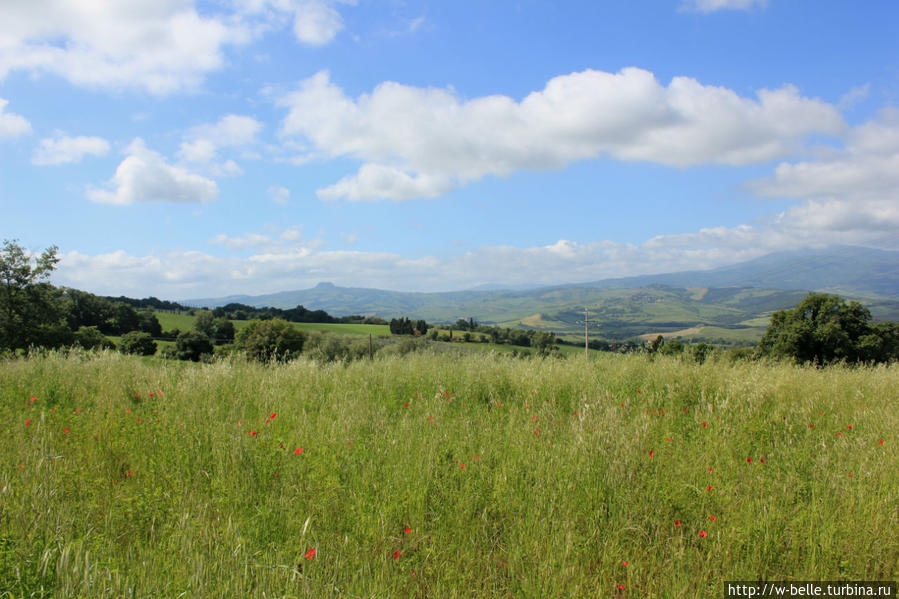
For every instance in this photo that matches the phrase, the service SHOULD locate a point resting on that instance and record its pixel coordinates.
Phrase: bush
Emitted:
(274, 339)
(139, 343)
(192, 345)
(92, 338)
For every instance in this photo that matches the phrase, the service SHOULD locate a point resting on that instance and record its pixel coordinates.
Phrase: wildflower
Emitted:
(748, 460)
(397, 554)
(130, 472)
(407, 530)
(298, 451)
(839, 434)
(430, 419)
(137, 396)
(27, 422)
(534, 419)
(128, 411)
(668, 438)
(272, 416)
(712, 518)
(620, 587)
(253, 433)
(849, 427)
(677, 522)
(624, 564)
(33, 399)
(811, 426)
(705, 424)
(310, 553)
(537, 431)
(709, 488)
(652, 453)
(703, 534)
(880, 442)
(462, 466)
(66, 431)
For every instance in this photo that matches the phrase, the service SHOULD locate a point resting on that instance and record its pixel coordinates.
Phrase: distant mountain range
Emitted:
(736, 297)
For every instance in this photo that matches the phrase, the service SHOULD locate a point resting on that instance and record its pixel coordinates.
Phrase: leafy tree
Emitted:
(701, 351)
(137, 342)
(149, 323)
(205, 323)
(824, 328)
(192, 345)
(222, 330)
(671, 348)
(92, 338)
(31, 311)
(274, 339)
(125, 319)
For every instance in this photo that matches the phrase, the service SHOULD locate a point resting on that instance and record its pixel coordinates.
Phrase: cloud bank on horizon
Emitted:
(184, 148)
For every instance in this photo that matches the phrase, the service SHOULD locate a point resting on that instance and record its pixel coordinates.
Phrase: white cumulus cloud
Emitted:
(64, 149)
(423, 142)
(145, 176)
(852, 192)
(161, 46)
(12, 124)
(315, 22)
(202, 143)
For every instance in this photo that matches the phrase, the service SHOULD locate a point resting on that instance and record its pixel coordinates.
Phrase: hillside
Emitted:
(729, 304)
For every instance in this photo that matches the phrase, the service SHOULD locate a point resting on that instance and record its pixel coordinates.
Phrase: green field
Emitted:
(441, 475)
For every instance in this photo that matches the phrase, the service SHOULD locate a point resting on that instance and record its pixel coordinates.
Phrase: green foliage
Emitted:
(31, 311)
(266, 340)
(92, 338)
(137, 342)
(824, 328)
(671, 348)
(192, 345)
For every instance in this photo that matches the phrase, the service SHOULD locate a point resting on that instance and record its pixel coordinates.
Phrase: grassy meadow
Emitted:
(469, 475)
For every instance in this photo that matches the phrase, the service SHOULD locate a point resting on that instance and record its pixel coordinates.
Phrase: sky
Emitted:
(188, 148)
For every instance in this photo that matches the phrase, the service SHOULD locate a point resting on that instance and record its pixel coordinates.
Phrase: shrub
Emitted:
(192, 345)
(274, 339)
(139, 343)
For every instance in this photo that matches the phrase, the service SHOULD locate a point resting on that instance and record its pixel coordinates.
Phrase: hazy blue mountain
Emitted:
(843, 269)
(727, 295)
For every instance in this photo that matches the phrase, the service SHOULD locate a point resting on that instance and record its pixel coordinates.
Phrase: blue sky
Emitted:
(184, 149)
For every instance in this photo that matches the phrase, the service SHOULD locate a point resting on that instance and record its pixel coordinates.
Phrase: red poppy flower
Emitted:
(668, 438)
(310, 553)
(462, 466)
(622, 405)
(839, 434)
(537, 431)
(811, 426)
(33, 399)
(703, 534)
(624, 563)
(397, 554)
(128, 411)
(677, 522)
(705, 424)
(533, 419)
(712, 518)
(880, 442)
(253, 433)
(66, 431)
(272, 416)
(407, 530)
(130, 472)
(709, 488)
(137, 395)
(849, 427)
(298, 451)
(620, 587)
(27, 422)
(150, 394)
(652, 453)
(406, 405)
(430, 419)
(748, 460)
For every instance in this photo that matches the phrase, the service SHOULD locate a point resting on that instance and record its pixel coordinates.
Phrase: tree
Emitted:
(149, 323)
(137, 342)
(274, 339)
(31, 311)
(192, 345)
(204, 323)
(92, 338)
(222, 331)
(824, 328)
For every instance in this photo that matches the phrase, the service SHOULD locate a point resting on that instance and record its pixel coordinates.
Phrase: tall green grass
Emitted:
(570, 470)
